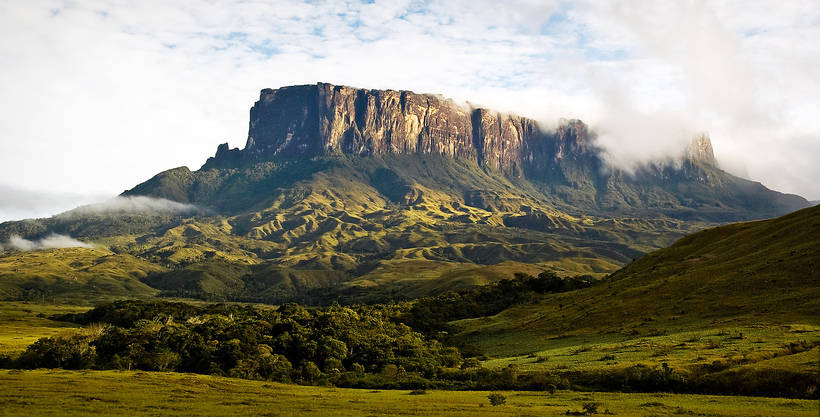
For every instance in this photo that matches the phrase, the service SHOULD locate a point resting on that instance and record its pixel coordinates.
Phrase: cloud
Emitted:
(131, 89)
(730, 68)
(53, 241)
(17, 204)
(133, 204)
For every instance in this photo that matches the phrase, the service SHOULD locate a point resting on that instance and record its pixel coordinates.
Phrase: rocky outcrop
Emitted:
(700, 149)
(324, 119)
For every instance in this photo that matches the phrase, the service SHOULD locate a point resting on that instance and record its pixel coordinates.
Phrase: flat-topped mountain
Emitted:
(331, 122)
(349, 192)
(323, 119)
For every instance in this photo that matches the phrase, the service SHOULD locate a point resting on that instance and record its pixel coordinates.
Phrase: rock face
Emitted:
(323, 119)
(700, 149)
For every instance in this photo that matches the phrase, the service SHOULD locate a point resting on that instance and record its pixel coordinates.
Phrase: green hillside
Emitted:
(75, 275)
(746, 274)
(377, 228)
(731, 310)
(373, 195)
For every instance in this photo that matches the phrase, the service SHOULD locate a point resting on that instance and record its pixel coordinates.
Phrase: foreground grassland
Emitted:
(22, 323)
(100, 393)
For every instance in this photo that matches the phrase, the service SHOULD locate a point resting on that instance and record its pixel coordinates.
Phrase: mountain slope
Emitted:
(349, 191)
(763, 272)
(74, 275)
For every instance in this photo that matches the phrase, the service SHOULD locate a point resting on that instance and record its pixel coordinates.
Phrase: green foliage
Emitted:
(365, 347)
(590, 407)
(497, 399)
(74, 352)
(247, 343)
(431, 314)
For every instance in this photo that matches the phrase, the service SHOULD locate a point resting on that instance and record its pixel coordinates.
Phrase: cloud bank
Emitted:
(130, 89)
(53, 241)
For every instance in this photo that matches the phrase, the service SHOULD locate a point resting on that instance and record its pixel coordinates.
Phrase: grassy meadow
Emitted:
(22, 323)
(102, 393)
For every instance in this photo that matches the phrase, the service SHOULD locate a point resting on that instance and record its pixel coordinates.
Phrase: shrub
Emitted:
(357, 368)
(470, 363)
(590, 408)
(497, 399)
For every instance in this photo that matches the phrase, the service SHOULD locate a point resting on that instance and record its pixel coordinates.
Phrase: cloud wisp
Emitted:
(53, 241)
(133, 204)
(18, 204)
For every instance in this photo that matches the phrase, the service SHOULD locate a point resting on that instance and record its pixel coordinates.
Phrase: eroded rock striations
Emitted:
(324, 119)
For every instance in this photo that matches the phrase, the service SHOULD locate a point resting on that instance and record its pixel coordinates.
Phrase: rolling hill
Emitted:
(755, 273)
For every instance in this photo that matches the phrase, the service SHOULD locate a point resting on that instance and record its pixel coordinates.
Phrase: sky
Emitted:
(97, 96)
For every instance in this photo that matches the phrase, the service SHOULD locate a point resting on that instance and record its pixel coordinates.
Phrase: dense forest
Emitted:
(396, 345)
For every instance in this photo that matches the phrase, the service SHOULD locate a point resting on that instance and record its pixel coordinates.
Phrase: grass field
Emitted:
(22, 323)
(744, 344)
(101, 393)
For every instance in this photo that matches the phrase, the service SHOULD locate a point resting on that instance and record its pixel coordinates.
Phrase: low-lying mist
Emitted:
(52, 241)
(133, 205)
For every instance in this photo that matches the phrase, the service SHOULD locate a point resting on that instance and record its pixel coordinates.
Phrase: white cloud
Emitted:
(97, 96)
(133, 204)
(53, 241)
(741, 70)
(18, 204)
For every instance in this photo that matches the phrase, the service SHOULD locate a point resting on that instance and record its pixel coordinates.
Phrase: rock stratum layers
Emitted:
(324, 119)
(313, 127)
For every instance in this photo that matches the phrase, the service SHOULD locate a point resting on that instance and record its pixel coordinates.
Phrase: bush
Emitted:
(470, 363)
(497, 399)
(6, 362)
(590, 408)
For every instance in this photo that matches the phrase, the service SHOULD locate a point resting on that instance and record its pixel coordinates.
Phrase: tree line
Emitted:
(398, 345)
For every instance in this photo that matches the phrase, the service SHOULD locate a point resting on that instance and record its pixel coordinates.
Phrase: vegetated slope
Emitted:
(404, 224)
(323, 200)
(395, 227)
(763, 272)
(76, 275)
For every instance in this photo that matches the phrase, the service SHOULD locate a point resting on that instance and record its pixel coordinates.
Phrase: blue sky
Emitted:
(99, 95)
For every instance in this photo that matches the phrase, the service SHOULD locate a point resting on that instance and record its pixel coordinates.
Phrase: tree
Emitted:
(309, 372)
